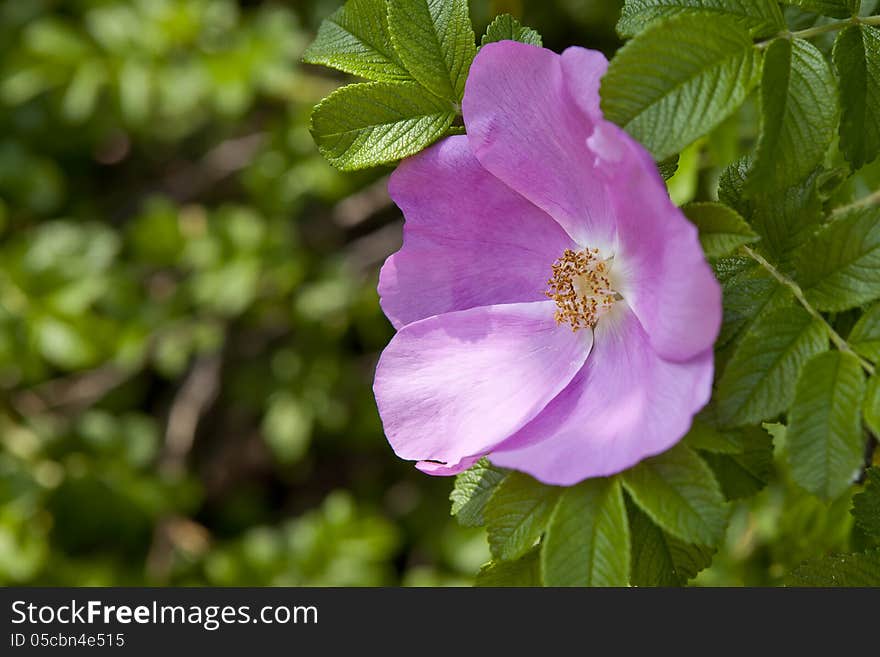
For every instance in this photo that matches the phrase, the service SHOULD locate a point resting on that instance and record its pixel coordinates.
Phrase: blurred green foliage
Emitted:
(188, 315)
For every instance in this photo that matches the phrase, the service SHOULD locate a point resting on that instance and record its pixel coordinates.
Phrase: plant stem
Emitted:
(870, 199)
(811, 32)
(838, 341)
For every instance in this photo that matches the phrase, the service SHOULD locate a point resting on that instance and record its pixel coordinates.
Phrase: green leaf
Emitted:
(587, 542)
(677, 490)
(659, 559)
(871, 407)
(762, 17)
(857, 60)
(784, 219)
(722, 229)
(866, 505)
(758, 382)
(861, 569)
(435, 41)
(824, 439)
(706, 437)
(668, 167)
(865, 335)
(835, 8)
(355, 40)
(799, 113)
(517, 515)
(749, 292)
(839, 267)
(506, 28)
(745, 473)
(472, 491)
(363, 125)
(679, 79)
(524, 572)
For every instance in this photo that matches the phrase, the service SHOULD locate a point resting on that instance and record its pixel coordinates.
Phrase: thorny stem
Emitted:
(821, 29)
(870, 199)
(838, 341)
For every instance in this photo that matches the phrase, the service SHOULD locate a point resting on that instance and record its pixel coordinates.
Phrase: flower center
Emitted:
(581, 288)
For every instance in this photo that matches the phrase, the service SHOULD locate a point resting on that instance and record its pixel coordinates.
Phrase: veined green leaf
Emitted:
(857, 59)
(834, 8)
(799, 112)
(871, 407)
(472, 491)
(865, 335)
(524, 572)
(506, 28)
(839, 267)
(784, 219)
(363, 125)
(587, 542)
(749, 293)
(679, 79)
(866, 505)
(762, 17)
(435, 41)
(758, 382)
(355, 40)
(722, 229)
(744, 473)
(704, 436)
(861, 569)
(659, 559)
(517, 514)
(824, 438)
(677, 490)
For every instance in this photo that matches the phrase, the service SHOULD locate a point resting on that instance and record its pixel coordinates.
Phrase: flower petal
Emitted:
(625, 405)
(525, 127)
(455, 385)
(469, 240)
(660, 267)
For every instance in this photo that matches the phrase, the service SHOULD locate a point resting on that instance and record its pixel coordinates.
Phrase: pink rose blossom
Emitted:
(554, 309)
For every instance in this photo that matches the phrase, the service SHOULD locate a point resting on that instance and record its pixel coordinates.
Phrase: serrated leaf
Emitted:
(722, 229)
(525, 571)
(866, 505)
(834, 8)
(706, 437)
(506, 28)
(871, 407)
(356, 40)
(745, 473)
(677, 490)
(798, 115)
(517, 514)
(587, 541)
(659, 559)
(784, 219)
(759, 381)
(861, 569)
(857, 60)
(762, 17)
(824, 439)
(865, 335)
(749, 292)
(668, 167)
(472, 491)
(363, 125)
(679, 79)
(435, 41)
(839, 267)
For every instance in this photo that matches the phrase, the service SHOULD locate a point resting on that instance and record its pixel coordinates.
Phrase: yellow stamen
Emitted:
(581, 288)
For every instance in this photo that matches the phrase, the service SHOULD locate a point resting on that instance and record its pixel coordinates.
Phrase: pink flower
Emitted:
(581, 375)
